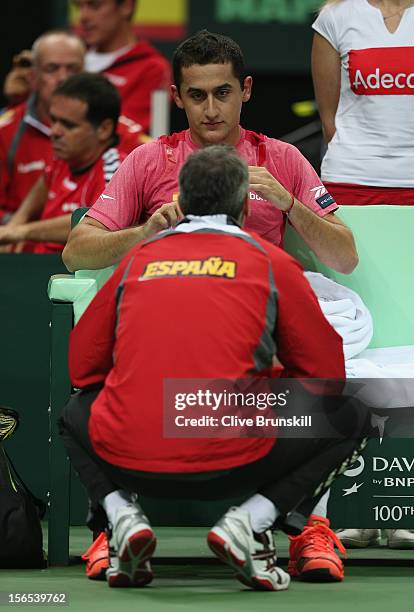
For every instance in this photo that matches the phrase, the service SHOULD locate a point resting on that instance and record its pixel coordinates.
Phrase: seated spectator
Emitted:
(115, 436)
(84, 112)
(25, 148)
(134, 66)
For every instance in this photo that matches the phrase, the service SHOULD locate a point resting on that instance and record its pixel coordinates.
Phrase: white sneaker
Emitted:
(132, 544)
(359, 538)
(251, 556)
(400, 538)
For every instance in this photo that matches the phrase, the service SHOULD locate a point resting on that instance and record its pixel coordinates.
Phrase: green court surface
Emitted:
(187, 577)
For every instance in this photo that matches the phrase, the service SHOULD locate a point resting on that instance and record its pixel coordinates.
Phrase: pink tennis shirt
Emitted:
(148, 178)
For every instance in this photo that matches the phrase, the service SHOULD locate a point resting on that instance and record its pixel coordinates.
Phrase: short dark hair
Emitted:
(97, 92)
(214, 180)
(207, 48)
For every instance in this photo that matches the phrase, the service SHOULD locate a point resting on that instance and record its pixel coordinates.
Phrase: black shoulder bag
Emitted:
(21, 539)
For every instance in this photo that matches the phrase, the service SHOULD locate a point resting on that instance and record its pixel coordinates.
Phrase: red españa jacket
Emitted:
(151, 322)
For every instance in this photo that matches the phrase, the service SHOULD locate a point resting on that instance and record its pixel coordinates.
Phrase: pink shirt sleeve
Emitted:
(124, 201)
(305, 184)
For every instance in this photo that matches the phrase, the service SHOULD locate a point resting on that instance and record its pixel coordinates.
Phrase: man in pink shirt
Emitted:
(211, 87)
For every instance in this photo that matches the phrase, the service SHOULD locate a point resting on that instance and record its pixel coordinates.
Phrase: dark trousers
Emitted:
(293, 475)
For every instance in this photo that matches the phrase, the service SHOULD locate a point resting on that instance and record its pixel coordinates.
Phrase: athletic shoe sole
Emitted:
(134, 569)
(239, 564)
(97, 571)
(313, 572)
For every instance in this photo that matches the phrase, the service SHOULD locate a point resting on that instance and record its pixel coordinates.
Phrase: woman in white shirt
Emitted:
(363, 72)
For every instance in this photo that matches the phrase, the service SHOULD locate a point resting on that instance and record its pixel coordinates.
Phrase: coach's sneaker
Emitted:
(400, 538)
(251, 556)
(97, 558)
(359, 538)
(312, 553)
(132, 544)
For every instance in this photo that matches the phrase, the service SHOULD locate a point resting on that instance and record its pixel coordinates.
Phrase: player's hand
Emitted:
(268, 188)
(166, 216)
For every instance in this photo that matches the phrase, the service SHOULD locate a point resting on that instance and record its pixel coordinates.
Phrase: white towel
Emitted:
(390, 355)
(394, 366)
(345, 311)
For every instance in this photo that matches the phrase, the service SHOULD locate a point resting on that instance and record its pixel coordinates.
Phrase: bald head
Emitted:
(50, 41)
(56, 56)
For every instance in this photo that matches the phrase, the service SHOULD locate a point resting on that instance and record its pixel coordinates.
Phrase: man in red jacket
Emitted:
(25, 149)
(84, 112)
(25, 146)
(134, 66)
(225, 304)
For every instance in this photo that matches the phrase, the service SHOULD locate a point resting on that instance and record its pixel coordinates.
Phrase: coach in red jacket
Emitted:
(201, 300)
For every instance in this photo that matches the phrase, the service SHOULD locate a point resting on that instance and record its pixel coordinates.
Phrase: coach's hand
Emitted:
(166, 216)
(268, 188)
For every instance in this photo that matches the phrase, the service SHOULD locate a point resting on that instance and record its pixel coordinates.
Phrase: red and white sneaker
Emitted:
(312, 553)
(251, 556)
(97, 558)
(132, 545)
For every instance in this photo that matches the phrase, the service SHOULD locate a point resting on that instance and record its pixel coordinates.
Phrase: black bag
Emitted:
(21, 539)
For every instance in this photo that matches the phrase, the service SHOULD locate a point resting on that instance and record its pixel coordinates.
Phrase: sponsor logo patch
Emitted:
(325, 200)
(6, 117)
(213, 266)
(33, 166)
(130, 124)
(69, 207)
(382, 72)
(70, 185)
(322, 197)
(253, 197)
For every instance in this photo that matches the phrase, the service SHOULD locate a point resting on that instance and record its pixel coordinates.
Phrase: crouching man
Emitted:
(201, 326)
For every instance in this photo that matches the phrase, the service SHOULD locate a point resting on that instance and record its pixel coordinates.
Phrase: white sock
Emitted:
(321, 508)
(263, 512)
(113, 501)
